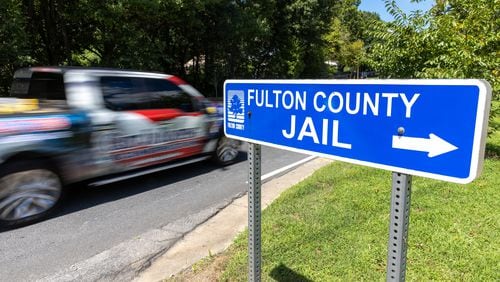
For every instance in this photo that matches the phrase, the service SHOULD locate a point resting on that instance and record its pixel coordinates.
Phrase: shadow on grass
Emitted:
(282, 273)
(492, 151)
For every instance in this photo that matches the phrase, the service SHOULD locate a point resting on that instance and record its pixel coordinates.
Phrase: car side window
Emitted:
(133, 93)
(124, 93)
(165, 94)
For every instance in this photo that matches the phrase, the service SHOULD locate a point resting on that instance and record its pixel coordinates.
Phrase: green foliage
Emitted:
(13, 39)
(349, 37)
(455, 39)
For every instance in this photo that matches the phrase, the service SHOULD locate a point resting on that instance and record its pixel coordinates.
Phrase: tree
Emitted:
(14, 51)
(455, 39)
(353, 55)
(349, 38)
(56, 29)
(311, 19)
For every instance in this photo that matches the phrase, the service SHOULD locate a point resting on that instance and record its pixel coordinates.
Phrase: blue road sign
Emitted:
(430, 128)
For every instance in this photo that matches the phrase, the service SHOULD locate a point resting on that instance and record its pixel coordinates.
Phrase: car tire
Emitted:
(227, 151)
(29, 191)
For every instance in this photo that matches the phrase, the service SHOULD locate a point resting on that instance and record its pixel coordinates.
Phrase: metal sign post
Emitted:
(398, 227)
(254, 212)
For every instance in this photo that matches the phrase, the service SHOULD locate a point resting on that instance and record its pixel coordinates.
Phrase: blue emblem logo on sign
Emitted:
(236, 109)
(430, 128)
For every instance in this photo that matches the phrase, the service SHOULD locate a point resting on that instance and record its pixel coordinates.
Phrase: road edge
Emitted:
(217, 233)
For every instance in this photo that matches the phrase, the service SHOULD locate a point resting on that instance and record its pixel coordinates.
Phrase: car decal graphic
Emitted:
(22, 125)
(35, 137)
(147, 151)
(152, 138)
(164, 114)
(183, 150)
(150, 147)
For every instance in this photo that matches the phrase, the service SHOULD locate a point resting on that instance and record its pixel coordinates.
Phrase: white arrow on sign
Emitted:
(434, 145)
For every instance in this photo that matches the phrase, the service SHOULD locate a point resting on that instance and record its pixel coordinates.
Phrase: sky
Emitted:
(378, 6)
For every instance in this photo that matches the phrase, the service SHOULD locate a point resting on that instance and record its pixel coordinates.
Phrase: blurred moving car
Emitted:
(67, 125)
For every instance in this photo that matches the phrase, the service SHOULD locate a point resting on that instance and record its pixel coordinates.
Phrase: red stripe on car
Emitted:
(164, 114)
(176, 80)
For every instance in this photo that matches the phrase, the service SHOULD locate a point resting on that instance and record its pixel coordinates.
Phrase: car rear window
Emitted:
(48, 86)
(39, 85)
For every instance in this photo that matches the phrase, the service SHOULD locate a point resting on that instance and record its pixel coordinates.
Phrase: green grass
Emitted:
(334, 227)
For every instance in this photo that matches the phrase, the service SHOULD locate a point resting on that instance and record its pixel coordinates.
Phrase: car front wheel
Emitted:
(227, 150)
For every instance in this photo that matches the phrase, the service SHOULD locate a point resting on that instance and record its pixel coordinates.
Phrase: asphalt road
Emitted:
(76, 242)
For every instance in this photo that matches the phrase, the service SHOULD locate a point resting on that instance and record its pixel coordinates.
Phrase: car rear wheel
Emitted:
(227, 150)
(28, 192)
